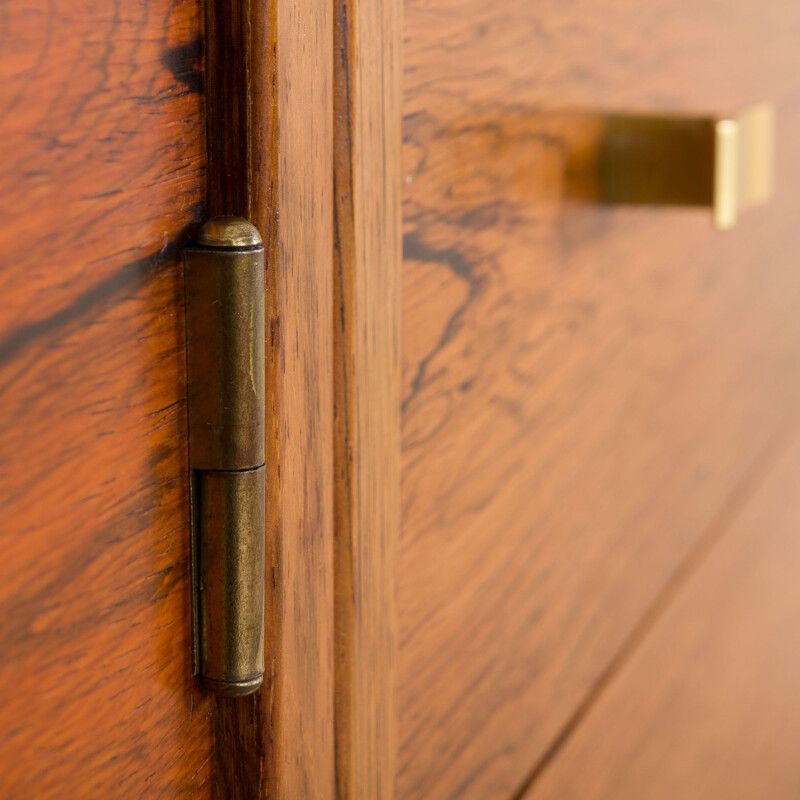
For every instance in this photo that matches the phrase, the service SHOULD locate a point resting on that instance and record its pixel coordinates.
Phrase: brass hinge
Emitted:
(224, 278)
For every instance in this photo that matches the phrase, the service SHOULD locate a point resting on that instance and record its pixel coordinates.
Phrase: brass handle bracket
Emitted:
(224, 282)
(725, 163)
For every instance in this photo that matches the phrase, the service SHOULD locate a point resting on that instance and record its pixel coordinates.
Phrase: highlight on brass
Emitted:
(224, 279)
(724, 163)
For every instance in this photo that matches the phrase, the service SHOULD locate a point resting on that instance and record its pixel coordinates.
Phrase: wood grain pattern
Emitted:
(583, 388)
(102, 180)
(367, 261)
(709, 704)
(303, 657)
(271, 142)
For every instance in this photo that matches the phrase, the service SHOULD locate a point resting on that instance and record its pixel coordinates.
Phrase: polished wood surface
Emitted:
(583, 388)
(367, 262)
(709, 703)
(302, 652)
(275, 129)
(101, 181)
(593, 403)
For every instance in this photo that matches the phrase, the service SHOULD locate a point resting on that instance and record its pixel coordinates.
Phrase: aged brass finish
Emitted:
(224, 279)
(724, 163)
(230, 509)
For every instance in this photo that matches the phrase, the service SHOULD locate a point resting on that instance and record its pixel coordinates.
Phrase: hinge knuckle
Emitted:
(225, 339)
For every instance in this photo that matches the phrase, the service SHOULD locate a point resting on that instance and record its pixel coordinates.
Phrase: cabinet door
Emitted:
(101, 179)
(113, 157)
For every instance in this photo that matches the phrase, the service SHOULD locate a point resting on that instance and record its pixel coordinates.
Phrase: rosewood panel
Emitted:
(367, 260)
(102, 179)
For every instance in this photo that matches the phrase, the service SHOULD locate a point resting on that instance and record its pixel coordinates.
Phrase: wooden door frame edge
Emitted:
(367, 262)
(269, 101)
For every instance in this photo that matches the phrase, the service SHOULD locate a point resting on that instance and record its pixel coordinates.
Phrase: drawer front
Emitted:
(584, 387)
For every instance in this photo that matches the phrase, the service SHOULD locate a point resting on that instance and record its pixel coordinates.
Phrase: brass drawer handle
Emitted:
(724, 163)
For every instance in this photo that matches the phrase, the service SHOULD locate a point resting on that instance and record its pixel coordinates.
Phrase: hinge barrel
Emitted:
(224, 279)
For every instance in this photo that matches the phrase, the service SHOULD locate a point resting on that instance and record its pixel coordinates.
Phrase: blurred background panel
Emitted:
(588, 393)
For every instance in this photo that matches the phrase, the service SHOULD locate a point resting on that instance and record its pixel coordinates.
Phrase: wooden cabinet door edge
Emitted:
(303, 108)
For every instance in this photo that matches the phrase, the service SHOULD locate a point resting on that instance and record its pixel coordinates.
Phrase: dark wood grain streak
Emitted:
(103, 179)
(16, 341)
(270, 140)
(97, 121)
(367, 262)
